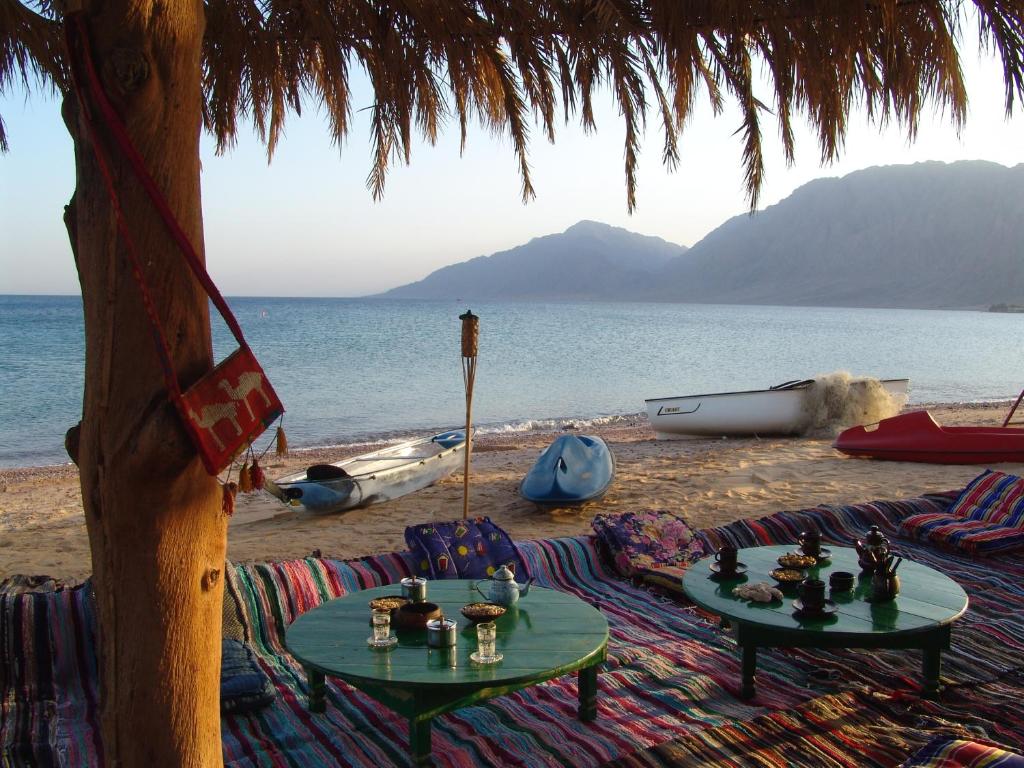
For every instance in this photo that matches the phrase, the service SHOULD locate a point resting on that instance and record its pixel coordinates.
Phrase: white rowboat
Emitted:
(786, 409)
(372, 477)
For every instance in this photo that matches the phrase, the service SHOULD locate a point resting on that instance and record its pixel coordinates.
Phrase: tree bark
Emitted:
(156, 530)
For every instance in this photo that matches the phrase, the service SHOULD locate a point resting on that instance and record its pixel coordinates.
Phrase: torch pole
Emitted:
(470, 339)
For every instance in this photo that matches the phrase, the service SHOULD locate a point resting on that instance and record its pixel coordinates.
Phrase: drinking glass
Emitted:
(486, 652)
(381, 627)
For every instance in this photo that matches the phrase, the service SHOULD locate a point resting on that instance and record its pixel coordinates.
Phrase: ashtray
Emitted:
(787, 576)
(475, 656)
(797, 560)
(416, 615)
(716, 569)
(483, 611)
(827, 609)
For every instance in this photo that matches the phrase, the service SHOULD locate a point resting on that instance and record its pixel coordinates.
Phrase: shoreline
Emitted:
(482, 436)
(710, 481)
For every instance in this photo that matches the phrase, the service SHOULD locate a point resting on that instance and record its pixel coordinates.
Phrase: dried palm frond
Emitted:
(509, 64)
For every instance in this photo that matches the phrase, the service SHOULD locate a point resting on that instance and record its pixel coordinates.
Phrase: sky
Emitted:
(306, 224)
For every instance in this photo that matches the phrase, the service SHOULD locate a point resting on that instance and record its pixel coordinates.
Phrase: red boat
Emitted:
(916, 436)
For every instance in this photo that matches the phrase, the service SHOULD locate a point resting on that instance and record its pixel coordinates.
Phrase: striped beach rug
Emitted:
(667, 694)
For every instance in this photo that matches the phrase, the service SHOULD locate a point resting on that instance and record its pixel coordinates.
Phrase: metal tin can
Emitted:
(415, 589)
(441, 633)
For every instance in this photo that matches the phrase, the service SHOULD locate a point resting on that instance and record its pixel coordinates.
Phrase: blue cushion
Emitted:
(244, 686)
(464, 549)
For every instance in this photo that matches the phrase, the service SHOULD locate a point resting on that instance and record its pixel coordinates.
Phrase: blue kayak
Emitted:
(572, 470)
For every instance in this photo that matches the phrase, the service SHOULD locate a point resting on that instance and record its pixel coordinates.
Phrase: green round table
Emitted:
(547, 634)
(920, 616)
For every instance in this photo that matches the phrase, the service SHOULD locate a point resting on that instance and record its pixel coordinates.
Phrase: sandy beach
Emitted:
(708, 481)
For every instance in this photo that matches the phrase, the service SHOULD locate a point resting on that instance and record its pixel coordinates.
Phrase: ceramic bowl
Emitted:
(483, 611)
(787, 576)
(797, 560)
(415, 615)
(841, 581)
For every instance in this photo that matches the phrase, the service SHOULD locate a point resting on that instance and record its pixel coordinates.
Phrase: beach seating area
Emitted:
(668, 692)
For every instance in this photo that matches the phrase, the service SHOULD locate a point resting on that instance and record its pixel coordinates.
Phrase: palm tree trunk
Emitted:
(156, 530)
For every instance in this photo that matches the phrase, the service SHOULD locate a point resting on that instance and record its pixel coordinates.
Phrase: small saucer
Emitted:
(716, 569)
(391, 642)
(825, 554)
(827, 609)
(475, 656)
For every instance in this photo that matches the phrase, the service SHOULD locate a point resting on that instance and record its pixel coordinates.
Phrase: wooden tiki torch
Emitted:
(470, 339)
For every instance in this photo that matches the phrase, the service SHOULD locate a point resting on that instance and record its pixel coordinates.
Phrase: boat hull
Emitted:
(916, 436)
(373, 477)
(572, 470)
(779, 411)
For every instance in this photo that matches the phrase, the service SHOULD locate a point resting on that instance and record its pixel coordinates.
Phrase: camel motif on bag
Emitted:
(247, 382)
(213, 415)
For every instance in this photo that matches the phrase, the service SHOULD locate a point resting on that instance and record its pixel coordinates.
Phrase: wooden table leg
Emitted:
(931, 668)
(317, 691)
(419, 741)
(587, 683)
(749, 668)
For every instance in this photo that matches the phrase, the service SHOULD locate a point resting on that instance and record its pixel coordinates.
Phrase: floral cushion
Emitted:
(647, 540)
(464, 549)
(977, 538)
(993, 497)
(947, 752)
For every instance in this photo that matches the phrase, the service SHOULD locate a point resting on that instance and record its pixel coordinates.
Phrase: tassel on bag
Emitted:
(228, 499)
(244, 479)
(282, 442)
(256, 476)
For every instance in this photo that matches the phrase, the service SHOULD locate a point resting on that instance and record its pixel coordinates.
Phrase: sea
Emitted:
(375, 370)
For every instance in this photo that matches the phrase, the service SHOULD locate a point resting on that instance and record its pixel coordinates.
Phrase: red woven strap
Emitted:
(83, 74)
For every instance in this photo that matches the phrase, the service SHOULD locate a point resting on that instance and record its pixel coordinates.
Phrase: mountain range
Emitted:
(929, 235)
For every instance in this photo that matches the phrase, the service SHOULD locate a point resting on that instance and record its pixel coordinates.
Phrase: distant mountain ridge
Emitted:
(928, 235)
(589, 260)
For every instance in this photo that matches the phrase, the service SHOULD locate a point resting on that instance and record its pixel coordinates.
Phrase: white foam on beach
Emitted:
(839, 400)
(560, 424)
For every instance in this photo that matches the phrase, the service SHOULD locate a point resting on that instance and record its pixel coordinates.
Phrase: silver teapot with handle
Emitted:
(872, 551)
(503, 589)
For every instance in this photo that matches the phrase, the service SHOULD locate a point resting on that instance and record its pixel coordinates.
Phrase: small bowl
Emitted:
(787, 576)
(841, 581)
(483, 611)
(416, 615)
(388, 603)
(797, 560)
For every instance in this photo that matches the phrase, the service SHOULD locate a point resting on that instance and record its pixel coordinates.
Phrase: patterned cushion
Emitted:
(647, 540)
(993, 497)
(464, 549)
(972, 537)
(666, 579)
(244, 686)
(947, 752)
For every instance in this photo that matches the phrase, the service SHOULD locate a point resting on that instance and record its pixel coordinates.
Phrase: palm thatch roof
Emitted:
(517, 66)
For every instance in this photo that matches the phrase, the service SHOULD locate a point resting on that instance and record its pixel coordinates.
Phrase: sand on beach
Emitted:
(708, 481)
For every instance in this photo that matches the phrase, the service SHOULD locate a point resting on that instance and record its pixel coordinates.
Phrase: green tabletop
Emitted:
(546, 634)
(919, 617)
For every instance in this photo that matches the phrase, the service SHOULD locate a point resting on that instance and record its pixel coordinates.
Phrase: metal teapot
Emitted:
(873, 550)
(503, 589)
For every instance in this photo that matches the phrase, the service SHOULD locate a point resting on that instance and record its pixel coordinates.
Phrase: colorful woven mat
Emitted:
(671, 679)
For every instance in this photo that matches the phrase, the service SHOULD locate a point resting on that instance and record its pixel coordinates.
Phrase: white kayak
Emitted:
(785, 409)
(373, 477)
